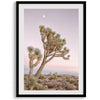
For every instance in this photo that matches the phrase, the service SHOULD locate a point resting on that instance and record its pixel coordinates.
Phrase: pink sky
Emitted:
(63, 21)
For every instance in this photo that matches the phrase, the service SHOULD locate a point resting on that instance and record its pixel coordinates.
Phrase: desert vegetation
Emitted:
(53, 46)
(34, 54)
(52, 82)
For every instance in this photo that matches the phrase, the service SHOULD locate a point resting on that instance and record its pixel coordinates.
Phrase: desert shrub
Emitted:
(50, 73)
(32, 82)
(68, 78)
(59, 76)
(53, 77)
(39, 86)
(42, 77)
(39, 81)
(55, 73)
(50, 78)
(72, 81)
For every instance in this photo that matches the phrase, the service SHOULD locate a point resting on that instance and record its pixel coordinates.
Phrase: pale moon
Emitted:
(44, 16)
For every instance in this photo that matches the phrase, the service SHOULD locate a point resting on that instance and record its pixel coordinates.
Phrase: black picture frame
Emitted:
(17, 48)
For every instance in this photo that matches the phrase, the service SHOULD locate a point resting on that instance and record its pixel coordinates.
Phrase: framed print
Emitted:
(51, 49)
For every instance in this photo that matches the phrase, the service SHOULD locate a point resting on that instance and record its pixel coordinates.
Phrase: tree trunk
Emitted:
(30, 73)
(40, 69)
(31, 69)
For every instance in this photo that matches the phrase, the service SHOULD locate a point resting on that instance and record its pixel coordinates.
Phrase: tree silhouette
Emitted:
(53, 47)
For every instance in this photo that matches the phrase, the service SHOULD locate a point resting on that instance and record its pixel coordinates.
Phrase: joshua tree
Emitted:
(53, 47)
(34, 54)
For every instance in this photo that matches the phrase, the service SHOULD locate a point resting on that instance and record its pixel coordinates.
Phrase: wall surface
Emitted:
(7, 51)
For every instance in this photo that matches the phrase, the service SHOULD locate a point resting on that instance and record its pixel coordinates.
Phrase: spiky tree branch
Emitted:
(53, 47)
(34, 54)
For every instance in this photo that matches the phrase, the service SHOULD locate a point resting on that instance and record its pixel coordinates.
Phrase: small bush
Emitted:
(50, 73)
(72, 81)
(68, 78)
(42, 77)
(39, 86)
(53, 77)
(50, 78)
(34, 85)
(59, 76)
(33, 81)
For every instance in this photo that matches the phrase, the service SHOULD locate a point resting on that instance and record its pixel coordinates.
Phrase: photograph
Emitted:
(51, 49)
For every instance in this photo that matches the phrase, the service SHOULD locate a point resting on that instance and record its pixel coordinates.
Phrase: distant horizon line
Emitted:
(46, 72)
